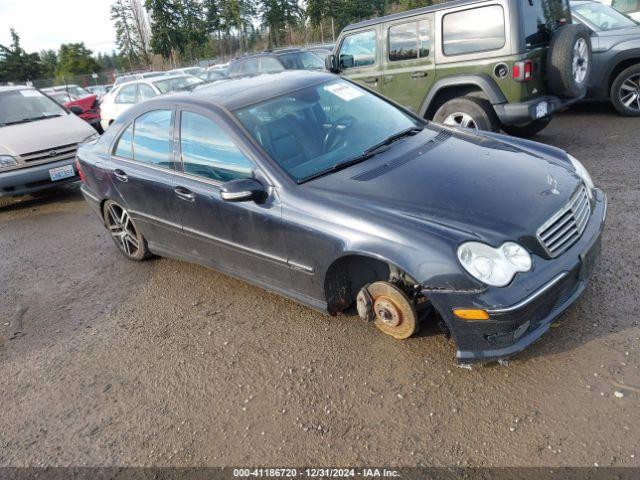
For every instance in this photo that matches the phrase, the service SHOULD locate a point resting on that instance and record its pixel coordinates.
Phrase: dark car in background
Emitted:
(274, 61)
(616, 55)
(314, 187)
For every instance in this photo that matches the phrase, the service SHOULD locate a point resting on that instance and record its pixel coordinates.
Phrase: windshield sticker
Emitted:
(344, 91)
(30, 93)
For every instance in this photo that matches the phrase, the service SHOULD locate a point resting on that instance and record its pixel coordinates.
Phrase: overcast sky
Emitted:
(45, 24)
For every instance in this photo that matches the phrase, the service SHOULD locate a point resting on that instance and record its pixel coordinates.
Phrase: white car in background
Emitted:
(122, 97)
(630, 7)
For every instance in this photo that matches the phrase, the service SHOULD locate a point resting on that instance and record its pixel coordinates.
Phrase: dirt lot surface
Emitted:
(167, 363)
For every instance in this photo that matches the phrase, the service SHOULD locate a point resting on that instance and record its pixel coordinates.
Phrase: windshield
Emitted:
(301, 60)
(19, 106)
(177, 83)
(603, 17)
(317, 128)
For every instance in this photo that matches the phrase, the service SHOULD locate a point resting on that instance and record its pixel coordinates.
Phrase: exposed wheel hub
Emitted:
(393, 311)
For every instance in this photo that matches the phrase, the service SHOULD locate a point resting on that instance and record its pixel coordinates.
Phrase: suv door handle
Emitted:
(120, 175)
(419, 74)
(370, 80)
(185, 194)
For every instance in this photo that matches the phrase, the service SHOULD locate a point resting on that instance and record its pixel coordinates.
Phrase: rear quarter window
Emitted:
(475, 30)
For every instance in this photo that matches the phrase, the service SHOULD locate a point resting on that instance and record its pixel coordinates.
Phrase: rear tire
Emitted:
(124, 233)
(468, 112)
(569, 61)
(528, 129)
(621, 92)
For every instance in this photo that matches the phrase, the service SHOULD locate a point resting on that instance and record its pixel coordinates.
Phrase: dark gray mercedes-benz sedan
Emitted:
(316, 188)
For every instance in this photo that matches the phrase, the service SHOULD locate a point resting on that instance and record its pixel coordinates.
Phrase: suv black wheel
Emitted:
(528, 129)
(468, 112)
(123, 232)
(569, 61)
(625, 92)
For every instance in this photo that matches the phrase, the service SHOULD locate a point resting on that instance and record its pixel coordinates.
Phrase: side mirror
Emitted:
(243, 190)
(346, 61)
(76, 110)
(330, 63)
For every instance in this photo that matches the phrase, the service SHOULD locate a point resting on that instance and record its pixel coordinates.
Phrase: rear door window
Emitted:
(270, 65)
(145, 92)
(476, 30)
(127, 94)
(152, 138)
(250, 67)
(409, 41)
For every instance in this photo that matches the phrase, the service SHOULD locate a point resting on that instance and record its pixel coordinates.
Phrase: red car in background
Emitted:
(74, 96)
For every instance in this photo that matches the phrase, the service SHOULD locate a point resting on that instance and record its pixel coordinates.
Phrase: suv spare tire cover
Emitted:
(569, 61)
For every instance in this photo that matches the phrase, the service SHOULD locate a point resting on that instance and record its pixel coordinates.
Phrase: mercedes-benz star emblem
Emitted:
(553, 183)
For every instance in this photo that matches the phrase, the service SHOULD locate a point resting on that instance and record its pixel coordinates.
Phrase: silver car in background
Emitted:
(38, 141)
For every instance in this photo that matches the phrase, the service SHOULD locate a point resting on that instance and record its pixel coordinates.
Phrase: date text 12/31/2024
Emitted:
(315, 472)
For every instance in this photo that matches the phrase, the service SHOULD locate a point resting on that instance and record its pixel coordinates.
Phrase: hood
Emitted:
(476, 184)
(16, 140)
(86, 103)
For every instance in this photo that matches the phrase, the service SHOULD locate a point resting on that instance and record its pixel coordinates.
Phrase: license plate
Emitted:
(61, 172)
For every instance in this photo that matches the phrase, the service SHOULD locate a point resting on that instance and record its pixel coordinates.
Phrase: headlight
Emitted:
(7, 161)
(494, 266)
(583, 174)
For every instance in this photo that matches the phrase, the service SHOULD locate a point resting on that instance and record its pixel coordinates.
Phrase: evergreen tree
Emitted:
(76, 59)
(166, 32)
(16, 65)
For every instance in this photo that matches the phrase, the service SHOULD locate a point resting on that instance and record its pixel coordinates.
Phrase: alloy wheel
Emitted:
(629, 92)
(580, 62)
(461, 119)
(122, 230)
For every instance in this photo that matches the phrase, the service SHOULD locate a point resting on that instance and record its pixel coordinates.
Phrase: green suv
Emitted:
(486, 64)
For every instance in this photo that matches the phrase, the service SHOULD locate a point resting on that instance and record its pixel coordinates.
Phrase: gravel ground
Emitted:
(170, 364)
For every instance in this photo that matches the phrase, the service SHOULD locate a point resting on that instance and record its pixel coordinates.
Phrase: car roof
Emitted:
(233, 94)
(11, 88)
(410, 13)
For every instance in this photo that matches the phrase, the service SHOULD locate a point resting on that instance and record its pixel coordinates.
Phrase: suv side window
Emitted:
(250, 67)
(475, 30)
(409, 41)
(358, 50)
(207, 151)
(152, 138)
(127, 94)
(270, 65)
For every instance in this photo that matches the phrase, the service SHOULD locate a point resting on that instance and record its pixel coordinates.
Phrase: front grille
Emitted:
(51, 154)
(564, 229)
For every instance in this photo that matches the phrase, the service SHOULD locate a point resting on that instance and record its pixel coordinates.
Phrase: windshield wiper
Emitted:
(31, 119)
(409, 132)
(366, 155)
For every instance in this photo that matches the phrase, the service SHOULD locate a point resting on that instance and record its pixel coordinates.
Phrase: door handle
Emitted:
(419, 74)
(370, 80)
(120, 175)
(185, 194)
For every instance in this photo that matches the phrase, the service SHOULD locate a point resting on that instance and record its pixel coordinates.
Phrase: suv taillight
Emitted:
(523, 71)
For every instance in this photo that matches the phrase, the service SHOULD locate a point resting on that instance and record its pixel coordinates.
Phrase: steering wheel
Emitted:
(336, 134)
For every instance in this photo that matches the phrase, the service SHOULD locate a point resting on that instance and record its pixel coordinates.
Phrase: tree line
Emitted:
(186, 30)
(151, 32)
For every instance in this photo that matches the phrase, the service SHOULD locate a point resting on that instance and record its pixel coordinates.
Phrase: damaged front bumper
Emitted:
(522, 312)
